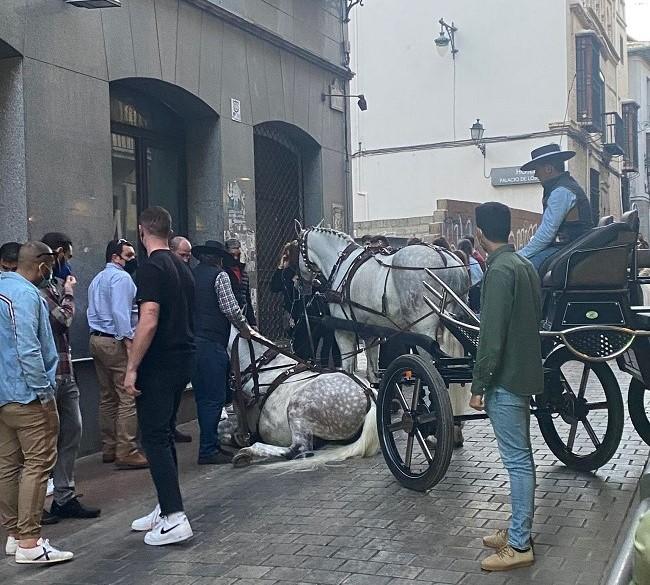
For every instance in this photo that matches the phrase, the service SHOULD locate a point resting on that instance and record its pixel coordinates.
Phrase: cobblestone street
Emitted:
(350, 523)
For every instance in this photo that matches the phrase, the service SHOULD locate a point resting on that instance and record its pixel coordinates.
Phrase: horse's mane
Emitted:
(333, 232)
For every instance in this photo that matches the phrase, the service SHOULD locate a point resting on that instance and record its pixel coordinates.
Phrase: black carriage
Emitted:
(593, 314)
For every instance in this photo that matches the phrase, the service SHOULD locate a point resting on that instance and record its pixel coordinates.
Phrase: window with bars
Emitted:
(630, 112)
(590, 85)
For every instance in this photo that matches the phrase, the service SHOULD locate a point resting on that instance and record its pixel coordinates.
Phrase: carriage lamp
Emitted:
(477, 131)
(361, 102)
(445, 38)
(95, 3)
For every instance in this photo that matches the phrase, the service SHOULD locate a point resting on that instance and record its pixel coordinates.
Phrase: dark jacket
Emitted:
(209, 322)
(579, 220)
(241, 288)
(282, 282)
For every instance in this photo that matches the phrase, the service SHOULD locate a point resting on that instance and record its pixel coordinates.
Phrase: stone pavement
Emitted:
(350, 523)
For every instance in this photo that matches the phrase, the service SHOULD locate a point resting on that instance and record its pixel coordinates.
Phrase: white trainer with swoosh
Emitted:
(147, 522)
(170, 530)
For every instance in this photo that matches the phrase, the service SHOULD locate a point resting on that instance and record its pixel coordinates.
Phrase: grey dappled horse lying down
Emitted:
(389, 286)
(327, 406)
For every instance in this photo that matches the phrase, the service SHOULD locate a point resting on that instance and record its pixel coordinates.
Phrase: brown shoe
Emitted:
(496, 540)
(507, 558)
(108, 458)
(134, 461)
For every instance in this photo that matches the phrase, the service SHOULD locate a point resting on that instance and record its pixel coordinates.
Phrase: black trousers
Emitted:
(161, 391)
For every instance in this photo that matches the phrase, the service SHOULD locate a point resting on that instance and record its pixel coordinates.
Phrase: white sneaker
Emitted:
(171, 529)
(50, 487)
(11, 546)
(224, 414)
(147, 522)
(43, 554)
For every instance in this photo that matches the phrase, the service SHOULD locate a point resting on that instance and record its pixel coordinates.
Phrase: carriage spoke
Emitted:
(416, 395)
(572, 435)
(598, 406)
(401, 398)
(583, 381)
(409, 451)
(423, 445)
(396, 426)
(591, 433)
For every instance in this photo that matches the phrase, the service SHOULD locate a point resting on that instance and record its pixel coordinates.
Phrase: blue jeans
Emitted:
(209, 382)
(510, 417)
(538, 259)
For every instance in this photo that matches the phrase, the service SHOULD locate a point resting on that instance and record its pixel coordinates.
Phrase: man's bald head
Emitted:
(182, 247)
(35, 261)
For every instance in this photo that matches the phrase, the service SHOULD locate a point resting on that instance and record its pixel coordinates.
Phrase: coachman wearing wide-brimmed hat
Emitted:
(567, 212)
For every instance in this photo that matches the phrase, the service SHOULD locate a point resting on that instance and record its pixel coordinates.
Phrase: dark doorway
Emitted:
(148, 154)
(278, 202)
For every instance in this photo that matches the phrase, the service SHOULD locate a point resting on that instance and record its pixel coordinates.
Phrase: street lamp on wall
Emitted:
(477, 131)
(445, 38)
(361, 102)
(95, 3)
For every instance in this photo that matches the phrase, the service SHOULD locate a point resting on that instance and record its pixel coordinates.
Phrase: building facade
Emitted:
(639, 81)
(210, 108)
(532, 72)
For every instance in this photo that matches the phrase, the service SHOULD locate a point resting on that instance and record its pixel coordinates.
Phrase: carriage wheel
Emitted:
(636, 405)
(581, 411)
(415, 422)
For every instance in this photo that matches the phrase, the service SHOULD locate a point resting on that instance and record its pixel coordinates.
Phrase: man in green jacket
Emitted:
(507, 373)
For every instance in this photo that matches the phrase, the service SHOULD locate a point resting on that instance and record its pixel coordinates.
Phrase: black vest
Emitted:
(579, 219)
(209, 322)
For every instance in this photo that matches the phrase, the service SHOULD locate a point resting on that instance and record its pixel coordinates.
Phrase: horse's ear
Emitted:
(297, 226)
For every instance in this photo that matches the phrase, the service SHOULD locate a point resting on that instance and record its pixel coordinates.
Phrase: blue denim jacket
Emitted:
(28, 357)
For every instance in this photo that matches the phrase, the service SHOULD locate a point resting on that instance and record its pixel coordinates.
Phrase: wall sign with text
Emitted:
(508, 176)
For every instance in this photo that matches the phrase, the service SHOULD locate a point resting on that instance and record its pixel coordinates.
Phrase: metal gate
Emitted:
(278, 201)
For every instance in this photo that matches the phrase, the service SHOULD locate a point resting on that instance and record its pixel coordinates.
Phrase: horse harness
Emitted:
(258, 397)
(341, 294)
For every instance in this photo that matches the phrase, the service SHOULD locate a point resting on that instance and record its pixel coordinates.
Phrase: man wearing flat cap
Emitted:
(567, 212)
(215, 308)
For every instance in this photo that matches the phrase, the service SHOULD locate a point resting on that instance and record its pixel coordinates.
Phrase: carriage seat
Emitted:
(598, 259)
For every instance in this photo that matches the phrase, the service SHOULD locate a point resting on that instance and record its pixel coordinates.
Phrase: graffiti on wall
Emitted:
(237, 227)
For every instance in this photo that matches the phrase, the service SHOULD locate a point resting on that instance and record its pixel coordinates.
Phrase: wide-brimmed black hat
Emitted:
(211, 248)
(546, 154)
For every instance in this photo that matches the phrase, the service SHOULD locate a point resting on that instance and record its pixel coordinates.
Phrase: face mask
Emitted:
(46, 280)
(62, 269)
(131, 266)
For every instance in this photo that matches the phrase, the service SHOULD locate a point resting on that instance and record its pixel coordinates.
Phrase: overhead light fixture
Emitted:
(361, 101)
(445, 38)
(476, 132)
(95, 3)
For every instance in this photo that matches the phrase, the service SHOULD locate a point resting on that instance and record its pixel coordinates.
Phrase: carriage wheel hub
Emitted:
(409, 421)
(573, 408)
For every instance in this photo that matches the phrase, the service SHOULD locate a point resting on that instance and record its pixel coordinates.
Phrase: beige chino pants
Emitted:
(118, 421)
(28, 436)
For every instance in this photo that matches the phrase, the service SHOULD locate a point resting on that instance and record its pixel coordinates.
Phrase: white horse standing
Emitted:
(308, 405)
(389, 287)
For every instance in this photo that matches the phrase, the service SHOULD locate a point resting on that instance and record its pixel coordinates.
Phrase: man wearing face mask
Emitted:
(29, 422)
(112, 325)
(58, 293)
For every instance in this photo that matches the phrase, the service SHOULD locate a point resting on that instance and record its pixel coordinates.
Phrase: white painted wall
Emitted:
(510, 72)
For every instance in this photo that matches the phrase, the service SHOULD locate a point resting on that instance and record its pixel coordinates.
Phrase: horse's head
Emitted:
(320, 248)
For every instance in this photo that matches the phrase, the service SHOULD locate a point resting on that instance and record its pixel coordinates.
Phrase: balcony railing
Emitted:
(614, 134)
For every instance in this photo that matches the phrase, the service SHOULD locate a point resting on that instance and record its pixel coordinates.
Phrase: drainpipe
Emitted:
(345, 44)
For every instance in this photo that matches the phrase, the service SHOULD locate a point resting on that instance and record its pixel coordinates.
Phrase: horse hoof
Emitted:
(431, 441)
(242, 460)
(459, 440)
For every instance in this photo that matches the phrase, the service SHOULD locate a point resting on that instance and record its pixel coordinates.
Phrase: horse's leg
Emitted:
(259, 452)
(372, 357)
(347, 343)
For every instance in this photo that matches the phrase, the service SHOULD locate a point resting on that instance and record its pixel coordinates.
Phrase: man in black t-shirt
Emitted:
(159, 368)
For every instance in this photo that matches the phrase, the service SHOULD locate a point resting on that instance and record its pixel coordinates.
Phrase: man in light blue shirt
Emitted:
(29, 421)
(112, 320)
(567, 212)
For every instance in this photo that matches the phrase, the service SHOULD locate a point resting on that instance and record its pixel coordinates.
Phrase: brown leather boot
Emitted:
(135, 460)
